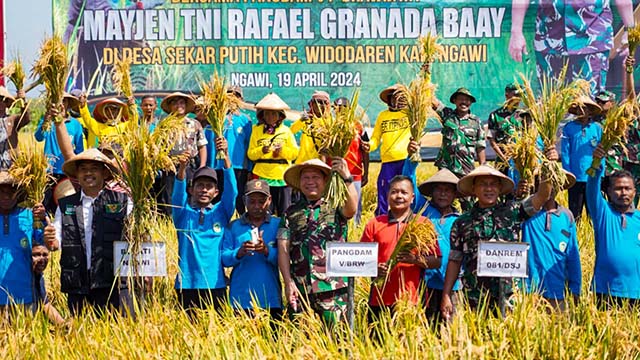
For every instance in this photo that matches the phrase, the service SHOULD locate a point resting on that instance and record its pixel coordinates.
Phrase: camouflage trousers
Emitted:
(331, 306)
(591, 67)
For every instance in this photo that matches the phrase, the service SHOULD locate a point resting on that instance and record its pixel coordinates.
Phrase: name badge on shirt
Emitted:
(69, 210)
(112, 208)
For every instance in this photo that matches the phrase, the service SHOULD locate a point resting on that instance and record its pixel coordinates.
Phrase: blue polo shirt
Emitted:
(554, 257)
(577, 145)
(237, 132)
(16, 238)
(51, 147)
(435, 277)
(255, 280)
(617, 241)
(200, 235)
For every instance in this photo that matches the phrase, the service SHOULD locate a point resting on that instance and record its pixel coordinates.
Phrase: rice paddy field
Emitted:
(162, 330)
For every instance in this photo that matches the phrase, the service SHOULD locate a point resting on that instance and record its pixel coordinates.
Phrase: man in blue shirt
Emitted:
(554, 257)
(52, 149)
(579, 139)
(250, 247)
(201, 226)
(616, 226)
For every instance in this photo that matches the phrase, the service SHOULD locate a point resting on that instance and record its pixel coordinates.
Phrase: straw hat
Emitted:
(190, 103)
(384, 94)
(5, 94)
(70, 166)
(63, 189)
(571, 180)
(98, 112)
(271, 102)
(462, 91)
(465, 185)
(74, 102)
(292, 175)
(585, 101)
(236, 90)
(443, 176)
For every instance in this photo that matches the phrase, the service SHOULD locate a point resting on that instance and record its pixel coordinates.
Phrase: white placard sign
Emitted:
(352, 259)
(152, 259)
(502, 259)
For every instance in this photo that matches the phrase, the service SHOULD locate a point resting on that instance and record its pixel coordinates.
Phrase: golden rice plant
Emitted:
(420, 99)
(30, 168)
(634, 40)
(217, 103)
(336, 131)
(548, 110)
(419, 236)
(121, 79)
(15, 72)
(524, 152)
(617, 122)
(430, 51)
(52, 67)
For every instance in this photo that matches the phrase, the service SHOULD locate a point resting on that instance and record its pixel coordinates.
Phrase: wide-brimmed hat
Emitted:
(571, 180)
(462, 91)
(320, 96)
(465, 185)
(190, 103)
(384, 94)
(74, 102)
(292, 175)
(236, 90)
(5, 94)
(70, 167)
(63, 189)
(271, 102)
(98, 111)
(444, 176)
(584, 101)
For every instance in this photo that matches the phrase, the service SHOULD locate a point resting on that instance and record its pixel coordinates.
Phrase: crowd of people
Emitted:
(252, 200)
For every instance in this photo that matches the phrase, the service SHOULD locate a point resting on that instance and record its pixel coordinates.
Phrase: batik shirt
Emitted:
(498, 223)
(308, 226)
(462, 138)
(576, 27)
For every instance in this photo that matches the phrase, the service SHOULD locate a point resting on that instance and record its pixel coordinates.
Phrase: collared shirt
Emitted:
(577, 145)
(403, 279)
(266, 166)
(191, 140)
(255, 280)
(237, 132)
(442, 224)
(554, 257)
(87, 221)
(392, 133)
(308, 143)
(617, 241)
(51, 147)
(462, 138)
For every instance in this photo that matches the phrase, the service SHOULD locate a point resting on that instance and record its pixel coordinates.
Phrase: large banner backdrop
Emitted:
(293, 47)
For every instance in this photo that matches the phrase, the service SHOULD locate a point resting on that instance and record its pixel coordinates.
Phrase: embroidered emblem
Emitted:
(217, 228)
(562, 246)
(112, 208)
(24, 243)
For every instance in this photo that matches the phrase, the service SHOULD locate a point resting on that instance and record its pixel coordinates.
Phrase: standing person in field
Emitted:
(631, 161)
(110, 116)
(615, 156)
(305, 229)
(149, 105)
(554, 256)
(40, 260)
(52, 148)
(463, 137)
(487, 220)
(616, 227)
(272, 147)
(201, 226)
(391, 133)
(503, 125)
(86, 224)
(251, 249)
(319, 105)
(404, 279)
(579, 139)
(10, 125)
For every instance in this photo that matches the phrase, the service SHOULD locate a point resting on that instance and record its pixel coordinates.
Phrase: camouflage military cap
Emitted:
(462, 91)
(605, 96)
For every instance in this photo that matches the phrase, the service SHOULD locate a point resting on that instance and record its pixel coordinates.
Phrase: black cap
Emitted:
(205, 172)
(257, 186)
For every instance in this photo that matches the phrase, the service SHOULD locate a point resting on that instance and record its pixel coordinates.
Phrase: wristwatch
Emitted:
(348, 180)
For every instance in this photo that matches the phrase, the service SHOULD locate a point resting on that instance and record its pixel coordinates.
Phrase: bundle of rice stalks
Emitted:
(52, 68)
(548, 110)
(420, 99)
(524, 152)
(336, 131)
(430, 51)
(634, 40)
(418, 236)
(30, 168)
(617, 122)
(121, 77)
(15, 72)
(217, 103)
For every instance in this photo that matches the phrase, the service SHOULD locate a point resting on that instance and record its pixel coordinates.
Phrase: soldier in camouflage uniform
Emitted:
(615, 156)
(503, 124)
(463, 138)
(577, 32)
(306, 227)
(488, 220)
(631, 160)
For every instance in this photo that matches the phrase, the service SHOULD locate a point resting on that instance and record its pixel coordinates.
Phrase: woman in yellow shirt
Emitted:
(272, 147)
(110, 116)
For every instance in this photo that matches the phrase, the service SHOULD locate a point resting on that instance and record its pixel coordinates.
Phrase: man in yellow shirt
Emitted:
(319, 104)
(272, 147)
(392, 134)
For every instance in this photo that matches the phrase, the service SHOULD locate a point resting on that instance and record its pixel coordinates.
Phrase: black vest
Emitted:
(109, 211)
